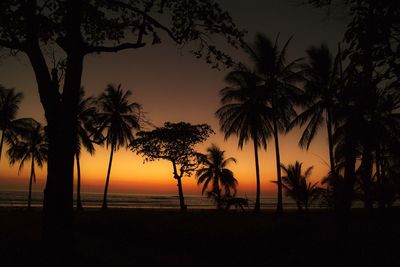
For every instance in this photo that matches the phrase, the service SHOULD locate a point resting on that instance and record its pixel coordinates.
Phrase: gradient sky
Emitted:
(173, 86)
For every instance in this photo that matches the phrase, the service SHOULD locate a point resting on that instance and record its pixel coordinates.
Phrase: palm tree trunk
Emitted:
(279, 205)
(78, 184)
(1, 142)
(257, 204)
(330, 140)
(104, 206)
(30, 182)
(366, 177)
(349, 171)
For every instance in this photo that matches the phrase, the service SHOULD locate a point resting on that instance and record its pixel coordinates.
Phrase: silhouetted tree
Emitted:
(244, 113)
(75, 29)
(174, 142)
(117, 118)
(86, 124)
(372, 40)
(322, 80)
(215, 171)
(31, 145)
(298, 187)
(10, 126)
(278, 77)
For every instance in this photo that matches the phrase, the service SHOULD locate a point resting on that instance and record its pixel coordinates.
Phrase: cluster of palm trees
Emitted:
(356, 102)
(362, 120)
(107, 119)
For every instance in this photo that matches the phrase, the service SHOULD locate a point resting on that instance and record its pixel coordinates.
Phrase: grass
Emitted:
(130, 237)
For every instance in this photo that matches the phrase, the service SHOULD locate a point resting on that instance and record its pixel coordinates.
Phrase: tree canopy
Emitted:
(174, 142)
(115, 25)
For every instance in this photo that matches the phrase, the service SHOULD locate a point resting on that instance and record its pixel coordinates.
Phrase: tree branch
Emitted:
(116, 48)
(148, 18)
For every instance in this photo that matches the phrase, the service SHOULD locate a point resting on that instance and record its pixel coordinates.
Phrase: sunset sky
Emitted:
(173, 86)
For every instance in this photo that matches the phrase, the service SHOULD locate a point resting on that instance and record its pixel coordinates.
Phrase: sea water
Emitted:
(119, 200)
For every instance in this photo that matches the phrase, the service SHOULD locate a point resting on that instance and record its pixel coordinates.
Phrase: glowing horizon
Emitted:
(172, 87)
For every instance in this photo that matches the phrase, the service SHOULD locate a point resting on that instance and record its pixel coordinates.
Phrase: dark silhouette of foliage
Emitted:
(321, 74)
(176, 143)
(298, 187)
(31, 145)
(278, 78)
(10, 126)
(214, 170)
(365, 119)
(75, 29)
(86, 130)
(244, 113)
(117, 118)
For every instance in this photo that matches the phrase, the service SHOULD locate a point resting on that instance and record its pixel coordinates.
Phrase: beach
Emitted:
(160, 237)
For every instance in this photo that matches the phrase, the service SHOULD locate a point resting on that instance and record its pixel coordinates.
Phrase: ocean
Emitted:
(94, 200)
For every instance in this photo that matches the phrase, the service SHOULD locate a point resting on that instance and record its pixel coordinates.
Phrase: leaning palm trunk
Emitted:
(279, 205)
(30, 182)
(257, 204)
(104, 206)
(79, 206)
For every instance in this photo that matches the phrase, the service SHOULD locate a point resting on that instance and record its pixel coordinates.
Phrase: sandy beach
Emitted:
(151, 237)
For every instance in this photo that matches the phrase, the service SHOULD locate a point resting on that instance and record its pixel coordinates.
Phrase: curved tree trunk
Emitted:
(1, 142)
(180, 189)
(104, 206)
(30, 182)
(279, 205)
(181, 197)
(79, 206)
(257, 204)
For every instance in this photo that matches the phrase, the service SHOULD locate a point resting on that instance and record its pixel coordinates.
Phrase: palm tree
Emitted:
(84, 128)
(9, 105)
(117, 117)
(245, 114)
(321, 89)
(215, 172)
(297, 186)
(32, 145)
(278, 77)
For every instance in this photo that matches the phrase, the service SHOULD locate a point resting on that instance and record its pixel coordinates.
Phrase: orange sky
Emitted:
(173, 86)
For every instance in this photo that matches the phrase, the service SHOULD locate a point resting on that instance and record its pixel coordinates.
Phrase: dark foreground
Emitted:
(206, 238)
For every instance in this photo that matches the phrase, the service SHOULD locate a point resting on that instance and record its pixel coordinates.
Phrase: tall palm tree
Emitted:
(297, 186)
(85, 129)
(117, 117)
(9, 105)
(321, 89)
(32, 145)
(215, 171)
(245, 114)
(278, 77)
